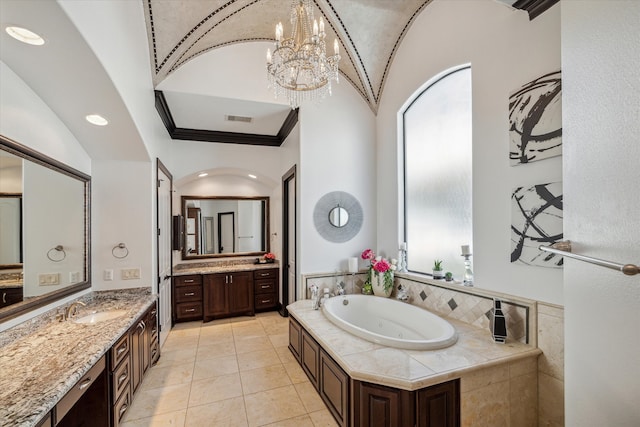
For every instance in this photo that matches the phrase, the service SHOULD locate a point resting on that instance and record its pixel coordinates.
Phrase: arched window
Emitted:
(436, 128)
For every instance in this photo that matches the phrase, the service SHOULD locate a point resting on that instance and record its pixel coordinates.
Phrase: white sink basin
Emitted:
(100, 316)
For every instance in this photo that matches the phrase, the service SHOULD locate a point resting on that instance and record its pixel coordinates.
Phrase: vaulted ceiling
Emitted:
(368, 31)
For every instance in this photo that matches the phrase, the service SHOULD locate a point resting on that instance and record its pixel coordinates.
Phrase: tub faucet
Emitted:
(340, 290)
(402, 294)
(315, 297)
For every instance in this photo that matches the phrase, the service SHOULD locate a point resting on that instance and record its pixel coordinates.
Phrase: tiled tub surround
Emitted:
(498, 381)
(221, 266)
(42, 359)
(450, 300)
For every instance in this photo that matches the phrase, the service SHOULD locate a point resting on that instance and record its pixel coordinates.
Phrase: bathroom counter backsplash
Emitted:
(42, 359)
(222, 266)
(408, 369)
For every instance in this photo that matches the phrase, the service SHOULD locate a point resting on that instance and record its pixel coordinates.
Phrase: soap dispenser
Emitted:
(498, 323)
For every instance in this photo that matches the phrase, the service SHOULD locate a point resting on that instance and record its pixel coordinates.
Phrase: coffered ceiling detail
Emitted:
(368, 31)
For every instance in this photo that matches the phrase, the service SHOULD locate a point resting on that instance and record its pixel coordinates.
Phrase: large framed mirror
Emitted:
(44, 230)
(225, 226)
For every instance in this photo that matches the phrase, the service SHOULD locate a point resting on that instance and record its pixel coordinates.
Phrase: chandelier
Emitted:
(299, 67)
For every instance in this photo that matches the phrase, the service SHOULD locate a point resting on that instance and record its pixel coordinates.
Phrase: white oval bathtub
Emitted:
(390, 322)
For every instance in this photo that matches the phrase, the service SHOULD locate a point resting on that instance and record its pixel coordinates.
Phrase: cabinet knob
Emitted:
(188, 281)
(190, 310)
(4, 297)
(122, 378)
(189, 294)
(122, 410)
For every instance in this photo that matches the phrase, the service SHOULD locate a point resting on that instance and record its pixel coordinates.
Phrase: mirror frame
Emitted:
(27, 153)
(267, 235)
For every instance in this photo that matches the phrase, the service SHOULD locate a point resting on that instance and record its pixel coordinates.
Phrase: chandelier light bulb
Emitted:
(336, 46)
(299, 66)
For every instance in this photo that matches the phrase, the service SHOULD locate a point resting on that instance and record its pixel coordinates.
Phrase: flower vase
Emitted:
(377, 283)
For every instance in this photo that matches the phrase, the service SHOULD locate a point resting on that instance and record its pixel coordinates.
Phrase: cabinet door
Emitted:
(137, 342)
(310, 356)
(380, 406)
(439, 405)
(241, 293)
(334, 388)
(216, 295)
(295, 338)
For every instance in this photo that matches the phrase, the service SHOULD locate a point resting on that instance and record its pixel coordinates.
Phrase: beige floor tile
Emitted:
(274, 405)
(215, 367)
(323, 418)
(170, 419)
(276, 328)
(216, 333)
(262, 379)
(229, 412)
(186, 325)
(151, 402)
(215, 389)
(285, 355)
(309, 396)
(253, 343)
(177, 357)
(295, 372)
(176, 342)
(161, 376)
(258, 359)
(279, 340)
(212, 351)
(301, 421)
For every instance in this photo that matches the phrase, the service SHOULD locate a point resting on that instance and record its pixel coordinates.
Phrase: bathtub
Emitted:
(390, 322)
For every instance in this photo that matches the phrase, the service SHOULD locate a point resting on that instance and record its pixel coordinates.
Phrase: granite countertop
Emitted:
(203, 268)
(42, 359)
(408, 369)
(10, 284)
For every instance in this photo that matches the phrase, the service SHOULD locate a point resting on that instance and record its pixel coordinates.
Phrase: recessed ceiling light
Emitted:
(97, 119)
(24, 35)
(202, 175)
(252, 176)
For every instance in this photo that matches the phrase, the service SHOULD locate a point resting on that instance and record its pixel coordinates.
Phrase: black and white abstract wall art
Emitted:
(535, 120)
(536, 219)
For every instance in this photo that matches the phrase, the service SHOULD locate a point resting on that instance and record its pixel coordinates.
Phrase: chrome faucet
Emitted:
(72, 309)
(340, 290)
(315, 297)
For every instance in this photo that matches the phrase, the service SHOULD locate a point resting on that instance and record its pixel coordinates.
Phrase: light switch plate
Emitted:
(49, 279)
(130, 273)
(108, 274)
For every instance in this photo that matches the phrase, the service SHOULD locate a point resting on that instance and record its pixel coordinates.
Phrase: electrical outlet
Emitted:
(108, 274)
(130, 273)
(74, 277)
(49, 279)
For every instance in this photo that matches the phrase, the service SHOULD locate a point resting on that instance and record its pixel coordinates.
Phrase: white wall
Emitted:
(122, 197)
(601, 114)
(505, 51)
(337, 153)
(26, 119)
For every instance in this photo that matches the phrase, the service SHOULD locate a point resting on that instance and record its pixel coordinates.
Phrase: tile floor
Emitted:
(229, 372)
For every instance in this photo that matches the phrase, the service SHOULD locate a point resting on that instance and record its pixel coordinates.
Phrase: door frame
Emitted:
(233, 231)
(161, 167)
(286, 250)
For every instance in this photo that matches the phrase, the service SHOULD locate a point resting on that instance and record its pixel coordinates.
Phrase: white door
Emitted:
(164, 253)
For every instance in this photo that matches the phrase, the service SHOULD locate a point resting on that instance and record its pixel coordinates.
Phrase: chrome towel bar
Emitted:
(564, 248)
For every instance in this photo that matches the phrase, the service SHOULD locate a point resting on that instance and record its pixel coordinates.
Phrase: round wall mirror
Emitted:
(338, 217)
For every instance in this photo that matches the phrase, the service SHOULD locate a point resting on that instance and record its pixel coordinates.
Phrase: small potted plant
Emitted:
(269, 257)
(437, 269)
(448, 276)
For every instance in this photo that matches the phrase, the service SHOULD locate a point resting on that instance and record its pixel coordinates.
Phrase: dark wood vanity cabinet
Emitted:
(265, 283)
(359, 403)
(187, 298)
(227, 294)
(120, 378)
(144, 346)
(9, 296)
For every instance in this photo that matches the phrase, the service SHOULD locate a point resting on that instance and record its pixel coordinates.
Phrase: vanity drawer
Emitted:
(188, 293)
(120, 351)
(265, 286)
(192, 279)
(189, 310)
(121, 378)
(271, 273)
(120, 407)
(265, 301)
